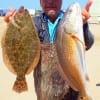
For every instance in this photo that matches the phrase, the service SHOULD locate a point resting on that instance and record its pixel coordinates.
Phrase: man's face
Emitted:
(51, 7)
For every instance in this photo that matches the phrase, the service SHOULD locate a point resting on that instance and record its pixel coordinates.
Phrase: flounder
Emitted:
(71, 49)
(21, 47)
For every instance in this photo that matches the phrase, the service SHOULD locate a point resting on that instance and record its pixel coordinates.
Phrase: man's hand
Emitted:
(11, 13)
(85, 11)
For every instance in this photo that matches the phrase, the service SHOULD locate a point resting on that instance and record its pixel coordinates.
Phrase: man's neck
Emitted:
(52, 18)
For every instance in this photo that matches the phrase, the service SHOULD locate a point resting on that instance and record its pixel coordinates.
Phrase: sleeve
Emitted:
(37, 21)
(88, 36)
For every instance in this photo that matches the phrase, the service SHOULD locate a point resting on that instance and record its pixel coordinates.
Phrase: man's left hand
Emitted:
(85, 11)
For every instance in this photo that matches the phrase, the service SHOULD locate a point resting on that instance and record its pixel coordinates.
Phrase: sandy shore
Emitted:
(93, 68)
(93, 63)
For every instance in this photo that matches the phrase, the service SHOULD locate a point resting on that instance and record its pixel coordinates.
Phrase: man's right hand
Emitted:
(9, 14)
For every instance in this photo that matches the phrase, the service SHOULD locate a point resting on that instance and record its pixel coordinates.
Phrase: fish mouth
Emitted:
(22, 10)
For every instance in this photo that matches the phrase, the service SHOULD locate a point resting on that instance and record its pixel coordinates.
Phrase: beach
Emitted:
(92, 62)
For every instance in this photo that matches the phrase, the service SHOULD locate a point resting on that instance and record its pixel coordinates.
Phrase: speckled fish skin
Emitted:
(71, 49)
(21, 48)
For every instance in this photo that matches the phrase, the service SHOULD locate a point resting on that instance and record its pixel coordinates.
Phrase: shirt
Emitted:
(52, 27)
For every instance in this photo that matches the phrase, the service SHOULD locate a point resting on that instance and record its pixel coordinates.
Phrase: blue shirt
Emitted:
(52, 27)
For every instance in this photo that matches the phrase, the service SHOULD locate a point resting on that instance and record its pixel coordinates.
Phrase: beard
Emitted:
(52, 13)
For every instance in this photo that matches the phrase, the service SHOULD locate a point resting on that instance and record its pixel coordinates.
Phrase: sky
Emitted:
(95, 8)
(33, 4)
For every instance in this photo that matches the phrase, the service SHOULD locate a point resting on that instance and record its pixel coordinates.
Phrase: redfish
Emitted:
(71, 49)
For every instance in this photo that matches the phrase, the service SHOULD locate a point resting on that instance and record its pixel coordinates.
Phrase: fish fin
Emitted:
(76, 38)
(37, 55)
(35, 62)
(5, 57)
(87, 77)
(7, 63)
(20, 86)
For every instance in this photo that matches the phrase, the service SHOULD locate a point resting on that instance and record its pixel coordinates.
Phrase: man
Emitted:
(49, 83)
(46, 24)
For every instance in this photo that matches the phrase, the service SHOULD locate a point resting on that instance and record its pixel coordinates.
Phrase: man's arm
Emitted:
(88, 36)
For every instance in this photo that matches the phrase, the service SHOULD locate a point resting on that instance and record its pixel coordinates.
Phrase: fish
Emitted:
(21, 47)
(71, 48)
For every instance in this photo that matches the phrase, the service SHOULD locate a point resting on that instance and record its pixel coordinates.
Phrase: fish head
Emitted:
(19, 18)
(72, 21)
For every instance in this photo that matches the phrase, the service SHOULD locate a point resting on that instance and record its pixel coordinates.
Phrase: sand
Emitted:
(93, 69)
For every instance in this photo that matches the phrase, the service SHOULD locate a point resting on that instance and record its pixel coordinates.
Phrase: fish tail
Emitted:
(84, 95)
(85, 98)
(20, 86)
